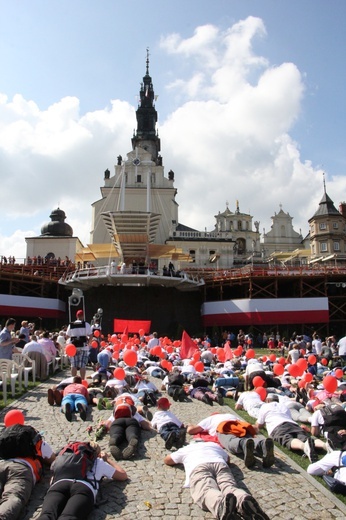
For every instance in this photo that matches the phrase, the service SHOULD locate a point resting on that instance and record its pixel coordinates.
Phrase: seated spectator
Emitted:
(212, 484)
(168, 425)
(48, 347)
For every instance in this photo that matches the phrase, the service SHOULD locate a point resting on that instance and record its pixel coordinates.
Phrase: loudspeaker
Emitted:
(75, 298)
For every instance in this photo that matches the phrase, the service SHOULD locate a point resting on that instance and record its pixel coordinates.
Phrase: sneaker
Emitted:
(309, 450)
(220, 399)
(116, 452)
(181, 438)
(206, 399)
(68, 412)
(236, 394)
(82, 411)
(328, 446)
(57, 397)
(251, 510)
(226, 508)
(170, 441)
(50, 397)
(268, 453)
(147, 413)
(130, 450)
(249, 458)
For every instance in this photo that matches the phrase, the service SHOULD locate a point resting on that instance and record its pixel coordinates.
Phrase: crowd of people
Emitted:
(296, 393)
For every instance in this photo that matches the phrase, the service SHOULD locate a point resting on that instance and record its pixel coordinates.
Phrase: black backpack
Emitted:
(19, 441)
(74, 461)
(335, 485)
(334, 417)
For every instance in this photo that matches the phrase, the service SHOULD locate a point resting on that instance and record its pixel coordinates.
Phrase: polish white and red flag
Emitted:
(266, 311)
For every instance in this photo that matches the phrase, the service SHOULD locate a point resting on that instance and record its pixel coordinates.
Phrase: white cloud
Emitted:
(228, 140)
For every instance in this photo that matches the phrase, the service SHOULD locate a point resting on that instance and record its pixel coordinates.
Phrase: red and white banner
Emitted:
(271, 311)
(31, 307)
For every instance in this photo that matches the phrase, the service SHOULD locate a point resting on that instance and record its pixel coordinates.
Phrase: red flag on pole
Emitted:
(188, 346)
(228, 351)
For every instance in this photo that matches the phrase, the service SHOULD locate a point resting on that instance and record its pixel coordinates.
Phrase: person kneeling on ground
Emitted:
(71, 497)
(168, 425)
(212, 484)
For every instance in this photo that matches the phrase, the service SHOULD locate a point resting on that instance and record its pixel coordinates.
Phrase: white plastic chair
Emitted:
(28, 366)
(10, 372)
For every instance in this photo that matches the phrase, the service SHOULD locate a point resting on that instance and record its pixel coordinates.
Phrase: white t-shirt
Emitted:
(146, 385)
(294, 355)
(198, 453)
(342, 346)
(327, 462)
(162, 417)
(152, 369)
(139, 418)
(210, 423)
(117, 383)
(249, 399)
(274, 414)
(253, 366)
(317, 419)
(99, 470)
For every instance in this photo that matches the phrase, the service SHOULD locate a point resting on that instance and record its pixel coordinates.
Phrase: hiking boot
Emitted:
(226, 508)
(176, 393)
(68, 412)
(57, 397)
(82, 411)
(181, 438)
(130, 450)
(170, 440)
(147, 413)
(207, 400)
(50, 397)
(309, 450)
(220, 399)
(268, 453)
(251, 510)
(249, 458)
(115, 452)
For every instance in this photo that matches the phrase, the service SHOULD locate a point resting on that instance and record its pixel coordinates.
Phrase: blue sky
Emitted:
(251, 105)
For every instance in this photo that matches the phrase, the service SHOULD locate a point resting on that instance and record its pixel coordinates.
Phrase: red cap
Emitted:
(163, 403)
(79, 313)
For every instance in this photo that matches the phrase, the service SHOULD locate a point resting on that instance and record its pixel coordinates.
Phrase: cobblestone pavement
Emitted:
(154, 490)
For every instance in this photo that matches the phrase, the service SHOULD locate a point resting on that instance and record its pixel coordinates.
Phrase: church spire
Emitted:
(146, 136)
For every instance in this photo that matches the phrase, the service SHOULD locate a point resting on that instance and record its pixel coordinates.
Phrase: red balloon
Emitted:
(124, 338)
(13, 417)
(141, 332)
(115, 355)
(169, 349)
(282, 361)
(294, 370)
(308, 377)
(130, 358)
(85, 383)
(302, 363)
(312, 359)
(156, 351)
(264, 359)
(262, 392)
(258, 381)
(97, 333)
(199, 366)
(119, 373)
(197, 356)
(272, 357)
(169, 366)
(94, 344)
(71, 350)
(278, 369)
(339, 373)
(324, 361)
(250, 354)
(301, 383)
(330, 383)
(114, 338)
(302, 352)
(220, 354)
